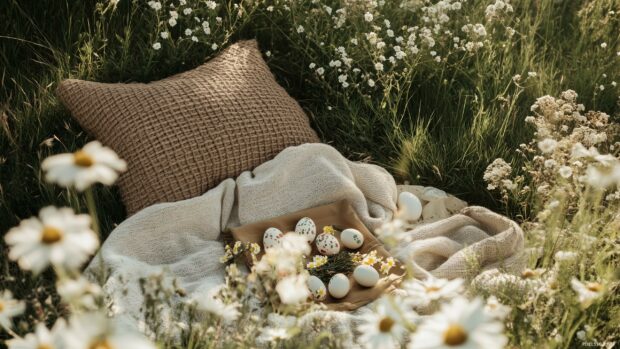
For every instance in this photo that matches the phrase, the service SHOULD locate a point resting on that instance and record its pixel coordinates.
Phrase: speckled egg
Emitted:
(317, 288)
(327, 244)
(306, 227)
(272, 237)
(366, 275)
(339, 286)
(409, 206)
(352, 238)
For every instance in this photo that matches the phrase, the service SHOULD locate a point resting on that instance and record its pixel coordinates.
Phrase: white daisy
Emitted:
(42, 338)
(423, 292)
(58, 236)
(460, 324)
(386, 326)
(211, 304)
(9, 308)
(587, 292)
(95, 330)
(495, 309)
(92, 164)
(79, 292)
(292, 289)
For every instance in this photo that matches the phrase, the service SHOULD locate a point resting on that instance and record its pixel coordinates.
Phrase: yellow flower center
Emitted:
(454, 335)
(44, 346)
(431, 289)
(526, 274)
(1, 306)
(82, 159)
(386, 324)
(100, 344)
(594, 286)
(50, 235)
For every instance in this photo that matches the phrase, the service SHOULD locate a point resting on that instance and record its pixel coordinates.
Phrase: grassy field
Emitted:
(431, 121)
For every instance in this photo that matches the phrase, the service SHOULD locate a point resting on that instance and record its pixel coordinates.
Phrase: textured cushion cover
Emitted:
(185, 134)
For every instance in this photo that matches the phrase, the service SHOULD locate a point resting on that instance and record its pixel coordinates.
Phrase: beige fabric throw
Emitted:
(182, 238)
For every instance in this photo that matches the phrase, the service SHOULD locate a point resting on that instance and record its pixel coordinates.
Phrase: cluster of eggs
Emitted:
(339, 285)
(326, 243)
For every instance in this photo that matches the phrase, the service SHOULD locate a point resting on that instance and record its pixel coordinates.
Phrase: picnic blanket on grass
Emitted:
(183, 238)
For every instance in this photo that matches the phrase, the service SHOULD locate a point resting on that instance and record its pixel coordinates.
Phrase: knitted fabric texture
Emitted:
(184, 134)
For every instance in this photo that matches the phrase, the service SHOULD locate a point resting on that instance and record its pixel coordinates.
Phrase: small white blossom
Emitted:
(547, 145)
(94, 163)
(587, 292)
(58, 237)
(9, 308)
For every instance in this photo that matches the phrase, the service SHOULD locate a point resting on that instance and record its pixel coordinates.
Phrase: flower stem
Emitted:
(92, 210)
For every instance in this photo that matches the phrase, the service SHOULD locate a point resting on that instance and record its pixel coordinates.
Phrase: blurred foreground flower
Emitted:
(495, 309)
(58, 236)
(211, 304)
(386, 326)
(423, 292)
(587, 292)
(79, 292)
(9, 308)
(292, 289)
(42, 338)
(92, 164)
(95, 330)
(460, 324)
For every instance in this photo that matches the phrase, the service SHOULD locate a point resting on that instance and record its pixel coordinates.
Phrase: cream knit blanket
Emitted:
(181, 238)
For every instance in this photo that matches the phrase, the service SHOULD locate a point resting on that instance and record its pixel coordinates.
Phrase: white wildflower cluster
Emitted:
(498, 10)
(196, 21)
(566, 151)
(498, 176)
(381, 53)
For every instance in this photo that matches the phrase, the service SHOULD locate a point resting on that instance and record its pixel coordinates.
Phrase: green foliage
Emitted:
(338, 263)
(436, 124)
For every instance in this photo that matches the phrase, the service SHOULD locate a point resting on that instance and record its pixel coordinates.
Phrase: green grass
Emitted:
(441, 126)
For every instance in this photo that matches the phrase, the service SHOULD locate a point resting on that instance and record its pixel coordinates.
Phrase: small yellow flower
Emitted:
(254, 248)
(371, 258)
(387, 265)
(227, 256)
(237, 247)
(317, 261)
(356, 257)
(328, 229)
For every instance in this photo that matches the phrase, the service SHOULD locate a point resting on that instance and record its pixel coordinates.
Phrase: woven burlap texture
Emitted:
(184, 134)
(184, 238)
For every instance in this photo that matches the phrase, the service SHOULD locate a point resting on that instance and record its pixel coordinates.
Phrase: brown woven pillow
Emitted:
(185, 134)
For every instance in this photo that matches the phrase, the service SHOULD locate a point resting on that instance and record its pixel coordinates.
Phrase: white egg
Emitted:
(409, 206)
(327, 244)
(352, 238)
(306, 228)
(339, 286)
(366, 275)
(272, 237)
(317, 288)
